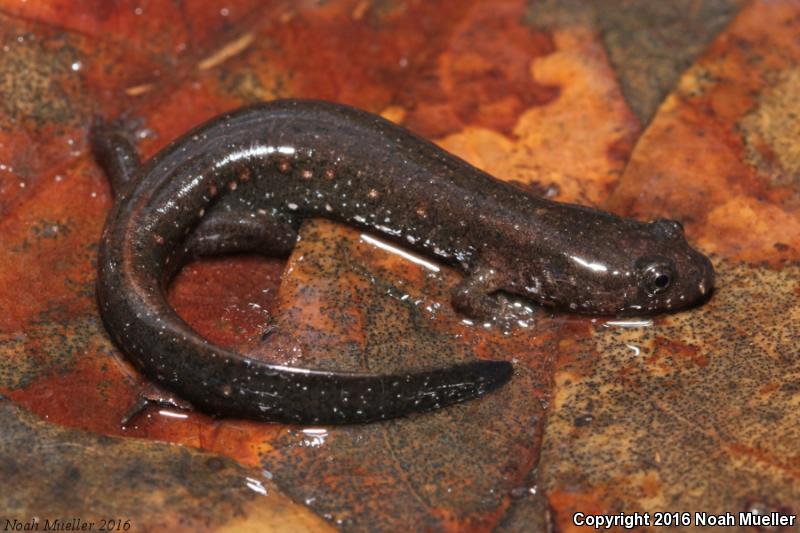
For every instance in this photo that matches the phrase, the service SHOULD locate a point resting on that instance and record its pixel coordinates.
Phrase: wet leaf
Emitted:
(69, 479)
(726, 135)
(694, 414)
(356, 306)
(691, 412)
(652, 43)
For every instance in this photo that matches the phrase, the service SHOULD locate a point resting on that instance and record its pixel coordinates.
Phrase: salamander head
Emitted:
(622, 267)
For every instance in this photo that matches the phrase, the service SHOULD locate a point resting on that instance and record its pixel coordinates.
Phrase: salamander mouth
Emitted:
(706, 284)
(639, 303)
(671, 303)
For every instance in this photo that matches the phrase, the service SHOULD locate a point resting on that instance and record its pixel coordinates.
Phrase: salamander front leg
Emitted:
(474, 296)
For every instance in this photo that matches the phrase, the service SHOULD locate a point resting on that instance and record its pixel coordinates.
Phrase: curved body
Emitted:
(244, 182)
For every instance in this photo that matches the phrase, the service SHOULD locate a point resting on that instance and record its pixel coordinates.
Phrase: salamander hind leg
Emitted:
(226, 232)
(152, 394)
(114, 149)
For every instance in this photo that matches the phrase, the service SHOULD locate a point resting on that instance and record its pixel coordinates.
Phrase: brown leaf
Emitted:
(721, 154)
(693, 414)
(347, 303)
(700, 418)
(68, 479)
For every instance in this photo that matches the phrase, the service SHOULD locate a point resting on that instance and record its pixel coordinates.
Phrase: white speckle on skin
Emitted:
(702, 287)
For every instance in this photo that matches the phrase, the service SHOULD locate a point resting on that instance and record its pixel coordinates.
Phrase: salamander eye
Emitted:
(656, 276)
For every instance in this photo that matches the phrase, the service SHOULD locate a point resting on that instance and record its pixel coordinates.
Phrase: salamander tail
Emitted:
(437, 388)
(308, 396)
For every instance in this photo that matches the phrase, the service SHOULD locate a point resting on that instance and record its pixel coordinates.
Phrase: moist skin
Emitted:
(244, 181)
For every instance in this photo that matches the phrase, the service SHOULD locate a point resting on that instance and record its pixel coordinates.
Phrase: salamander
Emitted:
(244, 181)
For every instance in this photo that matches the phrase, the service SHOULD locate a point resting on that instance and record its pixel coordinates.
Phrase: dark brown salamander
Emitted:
(244, 182)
